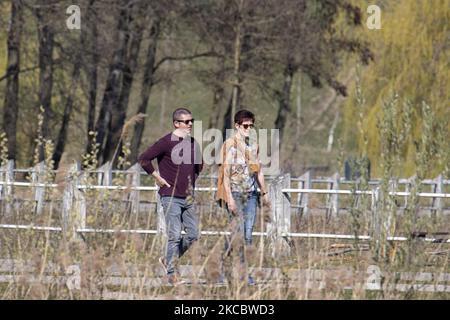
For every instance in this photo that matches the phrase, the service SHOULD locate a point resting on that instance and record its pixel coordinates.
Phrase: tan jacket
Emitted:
(254, 166)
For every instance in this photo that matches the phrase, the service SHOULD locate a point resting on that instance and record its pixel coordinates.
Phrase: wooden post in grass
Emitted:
(161, 221)
(335, 197)
(74, 205)
(408, 187)
(390, 217)
(161, 225)
(105, 174)
(332, 207)
(436, 203)
(303, 198)
(135, 181)
(6, 192)
(38, 176)
(80, 199)
(375, 216)
(280, 226)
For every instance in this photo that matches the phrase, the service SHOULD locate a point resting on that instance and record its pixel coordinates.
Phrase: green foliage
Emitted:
(410, 58)
(90, 161)
(3, 149)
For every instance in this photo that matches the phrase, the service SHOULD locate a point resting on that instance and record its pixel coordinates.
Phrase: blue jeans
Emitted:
(242, 223)
(179, 215)
(246, 207)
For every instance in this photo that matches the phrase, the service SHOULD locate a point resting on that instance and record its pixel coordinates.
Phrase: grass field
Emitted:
(122, 265)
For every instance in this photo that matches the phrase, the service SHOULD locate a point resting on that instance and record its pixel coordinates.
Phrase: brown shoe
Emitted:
(162, 262)
(174, 280)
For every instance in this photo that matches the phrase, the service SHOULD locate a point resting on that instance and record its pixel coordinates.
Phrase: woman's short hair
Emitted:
(243, 115)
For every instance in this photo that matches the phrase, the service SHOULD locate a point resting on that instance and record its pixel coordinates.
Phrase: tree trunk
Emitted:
(62, 135)
(218, 95)
(11, 108)
(332, 131)
(299, 107)
(227, 118)
(147, 84)
(167, 84)
(113, 82)
(234, 101)
(89, 40)
(236, 70)
(46, 36)
(119, 112)
(284, 98)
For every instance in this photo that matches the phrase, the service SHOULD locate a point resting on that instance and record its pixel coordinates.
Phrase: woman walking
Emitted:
(239, 176)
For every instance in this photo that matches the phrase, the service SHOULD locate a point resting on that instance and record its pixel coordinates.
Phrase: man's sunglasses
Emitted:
(246, 126)
(186, 121)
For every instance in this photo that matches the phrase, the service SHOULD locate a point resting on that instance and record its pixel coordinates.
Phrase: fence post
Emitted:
(37, 176)
(280, 226)
(376, 221)
(160, 218)
(408, 185)
(333, 202)
(80, 200)
(133, 197)
(335, 197)
(303, 198)
(161, 224)
(74, 205)
(161, 221)
(436, 205)
(7, 175)
(391, 215)
(105, 174)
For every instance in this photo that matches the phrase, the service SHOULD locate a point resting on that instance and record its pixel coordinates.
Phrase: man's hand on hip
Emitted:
(160, 181)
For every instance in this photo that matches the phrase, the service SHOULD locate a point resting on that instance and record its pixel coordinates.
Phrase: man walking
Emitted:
(179, 163)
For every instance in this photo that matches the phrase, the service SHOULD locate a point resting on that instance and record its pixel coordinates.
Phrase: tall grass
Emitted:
(101, 256)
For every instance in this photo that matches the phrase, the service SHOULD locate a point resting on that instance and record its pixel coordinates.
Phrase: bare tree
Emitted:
(46, 46)
(114, 79)
(119, 110)
(89, 40)
(61, 138)
(307, 43)
(162, 16)
(11, 108)
(147, 84)
(232, 29)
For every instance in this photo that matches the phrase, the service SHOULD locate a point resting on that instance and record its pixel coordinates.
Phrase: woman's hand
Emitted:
(232, 206)
(266, 200)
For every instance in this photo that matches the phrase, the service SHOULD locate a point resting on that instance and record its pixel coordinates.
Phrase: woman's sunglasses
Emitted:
(246, 126)
(186, 121)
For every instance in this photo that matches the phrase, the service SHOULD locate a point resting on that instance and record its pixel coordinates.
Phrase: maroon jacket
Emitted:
(179, 169)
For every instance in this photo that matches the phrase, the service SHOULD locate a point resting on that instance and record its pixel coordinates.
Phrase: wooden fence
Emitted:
(288, 196)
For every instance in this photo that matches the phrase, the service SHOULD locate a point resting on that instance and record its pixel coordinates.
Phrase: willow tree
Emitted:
(412, 60)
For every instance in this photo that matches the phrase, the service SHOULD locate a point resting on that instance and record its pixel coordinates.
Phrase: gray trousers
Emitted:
(179, 215)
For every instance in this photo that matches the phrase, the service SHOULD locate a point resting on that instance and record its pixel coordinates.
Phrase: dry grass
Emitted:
(104, 257)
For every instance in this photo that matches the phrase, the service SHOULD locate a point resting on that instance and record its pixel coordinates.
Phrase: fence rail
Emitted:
(284, 198)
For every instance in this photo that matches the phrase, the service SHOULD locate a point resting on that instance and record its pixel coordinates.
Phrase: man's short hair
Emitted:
(178, 112)
(243, 115)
